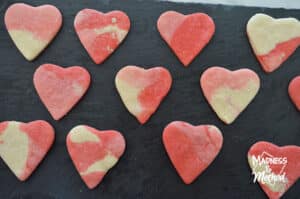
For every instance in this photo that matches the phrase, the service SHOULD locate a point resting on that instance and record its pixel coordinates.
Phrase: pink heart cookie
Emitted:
(294, 91)
(94, 152)
(101, 33)
(32, 28)
(275, 168)
(273, 40)
(60, 88)
(191, 148)
(229, 92)
(186, 35)
(142, 90)
(24, 145)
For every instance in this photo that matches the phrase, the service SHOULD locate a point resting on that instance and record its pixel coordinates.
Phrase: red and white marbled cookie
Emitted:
(60, 88)
(229, 92)
(191, 149)
(186, 35)
(273, 40)
(32, 28)
(275, 168)
(24, 145)
(101, 33)
(94, 152)
(142, 90)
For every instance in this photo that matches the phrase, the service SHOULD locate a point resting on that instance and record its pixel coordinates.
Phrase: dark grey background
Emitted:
(145, 170)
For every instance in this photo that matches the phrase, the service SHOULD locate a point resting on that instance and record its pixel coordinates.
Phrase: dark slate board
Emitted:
(145, 170)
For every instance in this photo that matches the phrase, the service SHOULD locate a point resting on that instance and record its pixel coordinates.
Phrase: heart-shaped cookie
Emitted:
(101, 33)
(24, 145)
(94, 152)
(275, 168)
(273, 40)
(60, 88)
(142, 90)
(186, 35)
(229, 92)
(294, 91)
(191, 148)
(32, 28)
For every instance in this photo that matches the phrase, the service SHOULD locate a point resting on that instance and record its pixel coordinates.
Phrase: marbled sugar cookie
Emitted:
(101, 33)
(94, 152)
(275, 168)
(60, 88)
(24, 145)
(142, 90)
(32, 28)
(186, 35)
(229, 92)
(191, 148)
(273, 40)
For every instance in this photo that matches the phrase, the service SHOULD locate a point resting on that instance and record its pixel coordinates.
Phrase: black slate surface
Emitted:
(145, 170)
